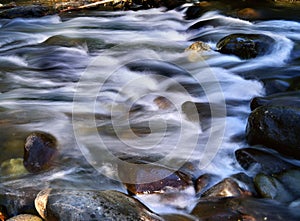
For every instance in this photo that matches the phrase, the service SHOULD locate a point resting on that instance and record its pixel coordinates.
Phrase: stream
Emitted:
(114, 87)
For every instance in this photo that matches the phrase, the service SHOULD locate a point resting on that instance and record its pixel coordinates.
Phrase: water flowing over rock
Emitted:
(39, 151)
(275, 127)
(257, 160)
(147, 179)
(102, 205)
(242, 209)
(245, 46)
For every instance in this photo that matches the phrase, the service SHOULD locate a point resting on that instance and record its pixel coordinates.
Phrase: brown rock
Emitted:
(25, 217)
(248, 13)
(148, 178)
(226, 188)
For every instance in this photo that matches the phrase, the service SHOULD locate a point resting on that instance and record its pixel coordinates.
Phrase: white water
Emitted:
(39, 83)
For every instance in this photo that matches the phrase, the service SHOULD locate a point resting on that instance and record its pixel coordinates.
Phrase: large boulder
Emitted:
(245, 46)
(77, 205)
(275, 127)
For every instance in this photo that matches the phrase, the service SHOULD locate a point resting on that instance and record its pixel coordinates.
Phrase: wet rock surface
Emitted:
(290, 99)
(242, 209)
(226, 188)
(275, 127)
(18, 201)
(148, 179)
(258, 160)
(39, 151)
(103, 205)
(30, 11)
(245, 46)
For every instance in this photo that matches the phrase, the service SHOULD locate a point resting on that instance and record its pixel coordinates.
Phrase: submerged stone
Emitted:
(148, 179)
(245, 46)
(270, 187)
(275, 127)
(39, 152)
(13, 167)
(78, 205)
(245, 208)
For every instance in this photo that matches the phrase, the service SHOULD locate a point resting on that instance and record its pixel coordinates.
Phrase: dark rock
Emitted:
(226, 188)
(270, 187)
(291, 99)
(149, 178)
(257, 160)
(18, 201)
(245, 182)
(290, 179)
(245, 208)
(204, 182)
(245, 46)
(194, 11)
(39, 152)
(275, 127)
(215, 22)
(90, 205)
(31, 11)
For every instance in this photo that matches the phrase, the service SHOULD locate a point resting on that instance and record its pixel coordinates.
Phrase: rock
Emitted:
(198, 46)
(275, 127)
(194, 11)
(245, 46)
(204, 181)
(31, 11)
(248, 14)
(149, 178)
(25, 217)
(64, 41)
(245, 208)
(163, 103)
(226, 188)
(90, 205)
(257, 160)
(291, 99)
(290, 179)
(18, 200)
(179, 217)
(245, 182)
(270, 187)
(39, 152)
(3, 213)
(13, 167)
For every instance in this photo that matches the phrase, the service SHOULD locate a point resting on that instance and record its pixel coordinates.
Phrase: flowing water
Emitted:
(96, 81)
